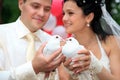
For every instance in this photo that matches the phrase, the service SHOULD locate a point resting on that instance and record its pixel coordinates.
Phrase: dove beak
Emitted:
(62, 43)
(63, 39)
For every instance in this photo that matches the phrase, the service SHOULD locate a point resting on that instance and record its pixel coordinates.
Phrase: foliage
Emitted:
(10, 11)
(115, 11)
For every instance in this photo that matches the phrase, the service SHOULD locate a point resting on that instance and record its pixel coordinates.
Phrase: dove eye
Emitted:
(70, 39)
(57, 37)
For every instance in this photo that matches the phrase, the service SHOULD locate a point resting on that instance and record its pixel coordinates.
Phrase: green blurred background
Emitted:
(9, 11)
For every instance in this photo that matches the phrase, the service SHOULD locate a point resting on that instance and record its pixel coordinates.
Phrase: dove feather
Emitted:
(71, 48)
(52, 45)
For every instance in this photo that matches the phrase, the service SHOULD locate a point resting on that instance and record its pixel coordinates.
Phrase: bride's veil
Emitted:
(109, 25)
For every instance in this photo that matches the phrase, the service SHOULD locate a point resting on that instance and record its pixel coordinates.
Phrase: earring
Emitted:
(84, 1)
(88, 25)
(96, 2)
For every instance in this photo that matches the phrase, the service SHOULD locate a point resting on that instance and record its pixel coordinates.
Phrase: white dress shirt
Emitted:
(13, 47)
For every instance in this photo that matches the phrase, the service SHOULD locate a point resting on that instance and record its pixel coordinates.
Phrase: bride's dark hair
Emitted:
(93, 6)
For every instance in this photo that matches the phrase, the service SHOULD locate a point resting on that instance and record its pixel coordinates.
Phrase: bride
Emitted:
(93, 27)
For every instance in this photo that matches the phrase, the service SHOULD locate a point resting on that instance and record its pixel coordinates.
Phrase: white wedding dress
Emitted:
(88, 74)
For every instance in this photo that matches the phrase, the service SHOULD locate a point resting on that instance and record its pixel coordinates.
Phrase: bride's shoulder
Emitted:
(112, 44)
(112, 38)
(113, 41)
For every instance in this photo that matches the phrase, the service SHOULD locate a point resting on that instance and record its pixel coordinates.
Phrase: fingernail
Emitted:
(73, 59)
(77, 71)
(74, 65)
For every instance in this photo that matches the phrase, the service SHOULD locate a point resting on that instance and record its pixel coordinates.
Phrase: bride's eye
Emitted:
(70, 13)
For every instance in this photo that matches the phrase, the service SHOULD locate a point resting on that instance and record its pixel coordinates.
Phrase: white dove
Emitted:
(52, 45)
(71, 48)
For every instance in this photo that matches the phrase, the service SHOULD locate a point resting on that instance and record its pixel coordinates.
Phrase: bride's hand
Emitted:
(80, 63)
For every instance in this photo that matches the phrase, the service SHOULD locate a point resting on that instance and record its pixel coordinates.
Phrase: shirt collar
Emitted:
(22, 30)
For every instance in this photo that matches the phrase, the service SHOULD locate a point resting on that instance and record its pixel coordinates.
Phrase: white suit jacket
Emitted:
(13, 64)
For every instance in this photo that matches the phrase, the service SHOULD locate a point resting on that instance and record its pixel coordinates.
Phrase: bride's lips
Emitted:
(67, 25)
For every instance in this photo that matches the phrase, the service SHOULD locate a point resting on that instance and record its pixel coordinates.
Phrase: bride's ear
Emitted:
(90, 17)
